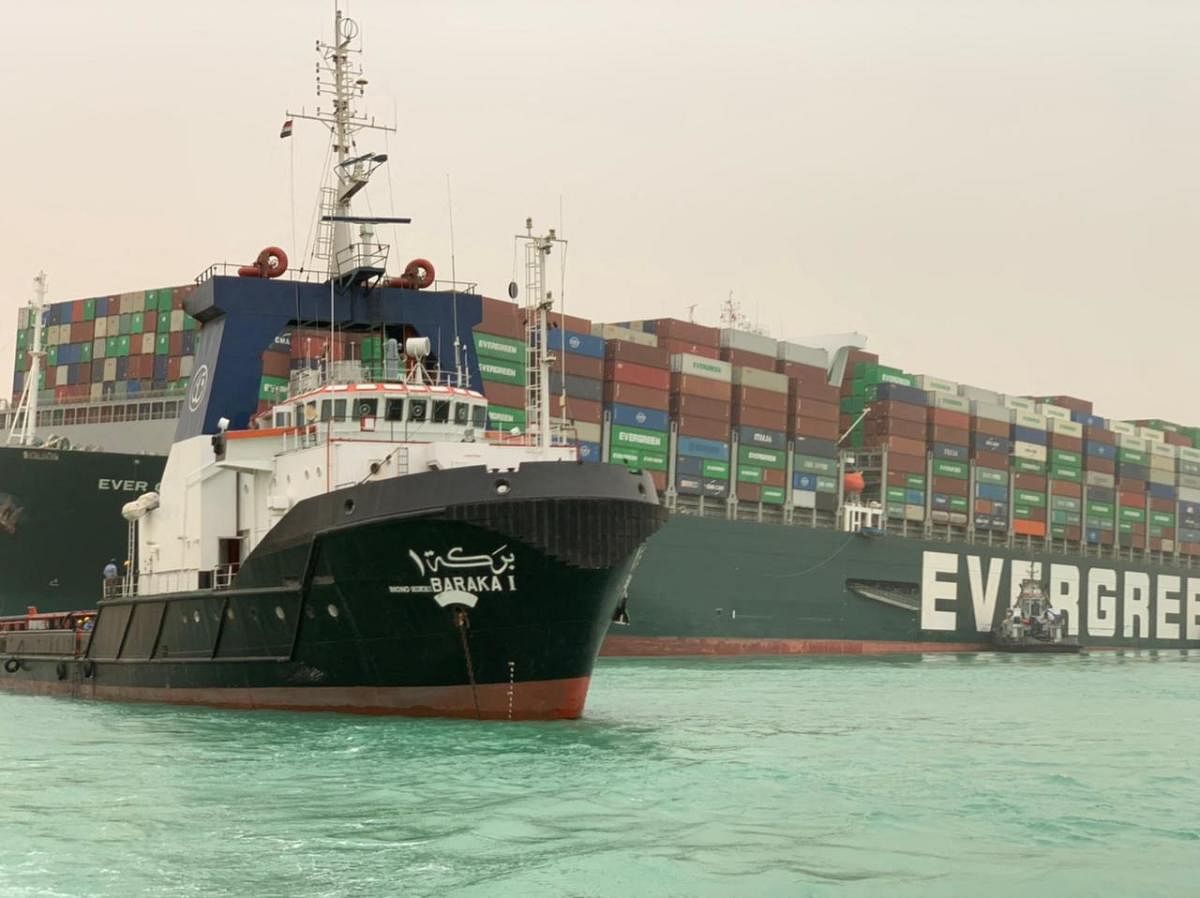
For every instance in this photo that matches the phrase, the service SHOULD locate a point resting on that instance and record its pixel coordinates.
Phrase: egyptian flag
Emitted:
(286, 130)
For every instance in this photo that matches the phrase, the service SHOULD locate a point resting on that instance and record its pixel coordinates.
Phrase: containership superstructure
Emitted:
(819, 500)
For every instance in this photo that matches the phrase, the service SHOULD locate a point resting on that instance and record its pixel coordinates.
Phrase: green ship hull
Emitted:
(715, 586)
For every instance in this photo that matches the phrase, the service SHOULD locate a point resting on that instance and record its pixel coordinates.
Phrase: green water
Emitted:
(935, 776)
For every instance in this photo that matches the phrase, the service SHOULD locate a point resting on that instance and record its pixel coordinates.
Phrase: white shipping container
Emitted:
(914, 512)
(1191, 481)
(1122, 427)
(804, 355)
(747, 342)
(1189, 494)
(612, 332)
(1150, 435)
(1168, 545)
(936, 384)
(1125, 441)
(110, 369)
(1029, 451)
(1164, 450)
(952, 403)
(187, 364)
(698, 366)
(1066, 428)
(1054, 411)
(101, 327)
(1099, 478)
(97, 390)
(98, 347)
(1029, 419)
(804, 498)
(762, 380)
(1186, 453)
(979, 394)
(587, 431)
(1020, 403)
(1160, 475)
(958, 518)
(989, 410)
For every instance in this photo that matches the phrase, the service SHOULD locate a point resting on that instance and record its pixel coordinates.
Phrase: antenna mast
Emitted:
(538, 302)
(25, 419)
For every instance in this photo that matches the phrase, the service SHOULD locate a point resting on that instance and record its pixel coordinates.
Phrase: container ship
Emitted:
(817, 499)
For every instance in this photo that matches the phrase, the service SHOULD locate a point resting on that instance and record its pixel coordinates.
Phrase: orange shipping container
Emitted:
(815, 427)
(675, 347)
(1022, 527)
(689, 385)
(990, 428)
(760, 399)
(631, 394)
(946, 418)
(636, 353)
(745, 416)
(740, 357)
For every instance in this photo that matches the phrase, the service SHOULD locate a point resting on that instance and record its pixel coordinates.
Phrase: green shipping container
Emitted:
(504, 348)
(1028, 466)
(955, 469)
(1067, 475)
(136, 322)
(915, 481)
(273, 389)
(638, 439)
(123, 346)
(162, 344)
(498, 371)
(1065, 503)
(85, 352)
(715, 470)
(1100, 510)
(895, 494)
(767, 458)
(52, 356)
(1063, 458)
(1133, 514)
(826, 484)
(1162, 518)
(1025, 497)
(164, 322)
(89, 310)
(503, 418)
(815, 465)
(959, 503)
(991, 475)
(1132, 456)
(190, 323)
(627, 457)
(771, 495)
(749, 474)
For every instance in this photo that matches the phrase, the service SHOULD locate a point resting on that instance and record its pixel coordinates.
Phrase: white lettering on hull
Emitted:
(934, 590)
(984, 595)
(1166, 607)
(1102, 606)
(1137, 605)
(1064, 593)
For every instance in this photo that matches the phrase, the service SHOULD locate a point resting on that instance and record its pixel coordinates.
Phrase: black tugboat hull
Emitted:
(376, 599)
(1037, 648)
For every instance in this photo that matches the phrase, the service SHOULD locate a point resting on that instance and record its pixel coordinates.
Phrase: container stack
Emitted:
(110, 347)
(637, 381)
(578, 374)
(1099, 479)
(500, 359)
(1064, 464)
(812, 423)
(701, 392)
(1188, 508)
(991, 448)
(948, 433)
(1030, 453)
(760, 401)
(1163, 491)
(1132, 472)
(897, 423)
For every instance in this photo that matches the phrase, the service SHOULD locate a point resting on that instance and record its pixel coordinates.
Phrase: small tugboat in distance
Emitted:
(1033, 625)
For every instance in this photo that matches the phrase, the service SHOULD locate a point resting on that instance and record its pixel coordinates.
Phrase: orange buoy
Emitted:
(271, 263)
(853, 482)
(418, 274)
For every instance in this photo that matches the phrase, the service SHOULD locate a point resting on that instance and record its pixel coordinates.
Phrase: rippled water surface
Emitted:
(934, 776)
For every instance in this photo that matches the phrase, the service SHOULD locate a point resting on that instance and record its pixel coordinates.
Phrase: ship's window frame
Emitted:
(144, 411)
(94, 415)
(339, 409)
(283, 419)
(440, 411)
(69, 417)
(326, 410)
(462, 414)
(394, 409)
(417, 409)
(366, 407)
(105, 414)
(479, 416)
(131, 412)
(156, 411)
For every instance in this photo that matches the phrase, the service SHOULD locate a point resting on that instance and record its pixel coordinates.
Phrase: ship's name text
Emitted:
(123, 486)
(961, 590)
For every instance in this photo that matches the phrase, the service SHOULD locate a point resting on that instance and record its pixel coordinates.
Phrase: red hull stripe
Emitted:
(532, 700)
(644, 646)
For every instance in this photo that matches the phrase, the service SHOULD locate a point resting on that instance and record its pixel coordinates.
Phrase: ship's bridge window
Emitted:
(283, 419)
(395, 409)
(416, 409)
(339, 409)
(69, 416)
(366, 408)
(156, 411)
(479, 416)
(144, 411)
(326, 409)
(462, 413)
(105, 415)
(441, 411)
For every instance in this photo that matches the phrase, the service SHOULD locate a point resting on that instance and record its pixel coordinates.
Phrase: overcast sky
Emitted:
(998, 192)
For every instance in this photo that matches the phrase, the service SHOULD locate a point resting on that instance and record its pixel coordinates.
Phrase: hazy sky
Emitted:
(998, 192)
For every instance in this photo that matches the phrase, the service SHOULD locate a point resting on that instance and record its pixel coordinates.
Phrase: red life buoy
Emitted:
(418, 274)
(853, 482)
(271, 263)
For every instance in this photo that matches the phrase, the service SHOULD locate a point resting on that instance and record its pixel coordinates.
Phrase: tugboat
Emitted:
(395, 564)
(364, 545)
(1033, 625)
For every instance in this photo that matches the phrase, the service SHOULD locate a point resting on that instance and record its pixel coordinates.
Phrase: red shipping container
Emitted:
(907, 464)
(749, 492)
(1075, 405)
(1136, 540)
(747, 359)
(687, 332)
(83, 331)
(1176, 439)
(76, 310)
(678, 347)
(570, 322)
(994, 460)
(815, 427)
(1099, 465)
(765, 400)
(176, 343)
(984, 506)
(944, 417)
(690, 385)
(774, 477)
(1132, 499)
(1066, 443)
(859, 355)
(894, 444)
(501, 319)
(1156, 543)
(1100, 435)
(745, 416)
(1190, 548)
(506, 395)
(902, 410)
(990, 428)
(705, 428)
(812, 389)
(698, 405)
(1073, 533)
(813, 408)
(950, 486)
(1162, 504)
(802, 373)
(60, 394)
(894, 427)
(1034, 514)
(1033, 482)
(637, 375)
(579, 365)
(179, 294)
(955, 436)
(632, 394)
(173, 369)
(1064, 488)
(582, 411)
(274, 364)
(635, 353)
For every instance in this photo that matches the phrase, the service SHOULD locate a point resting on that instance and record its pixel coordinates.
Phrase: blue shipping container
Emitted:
(804, 481)
(589, 452)
(1088, 420)
(579, 344)
(645, 418)
(816, 448)
(985, 442)
(713, 449)
(914, 497)
(953, 453)
(1028, 435)
(901, 393)
(1161, 490)
(689, 466)
(1100, 450)
(993, 492)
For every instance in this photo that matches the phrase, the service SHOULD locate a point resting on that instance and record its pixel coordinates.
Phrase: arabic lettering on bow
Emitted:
(454, 559)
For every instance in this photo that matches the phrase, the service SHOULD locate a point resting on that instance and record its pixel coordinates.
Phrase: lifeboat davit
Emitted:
(271, 263)
(853, 482)
(418, 274)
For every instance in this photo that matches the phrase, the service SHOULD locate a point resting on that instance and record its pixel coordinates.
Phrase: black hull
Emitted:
(375, 600)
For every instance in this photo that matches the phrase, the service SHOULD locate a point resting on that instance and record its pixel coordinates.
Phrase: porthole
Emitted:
(279, 612)
(196, 615)
(348, 506)
(333, 610)
(503, 487)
